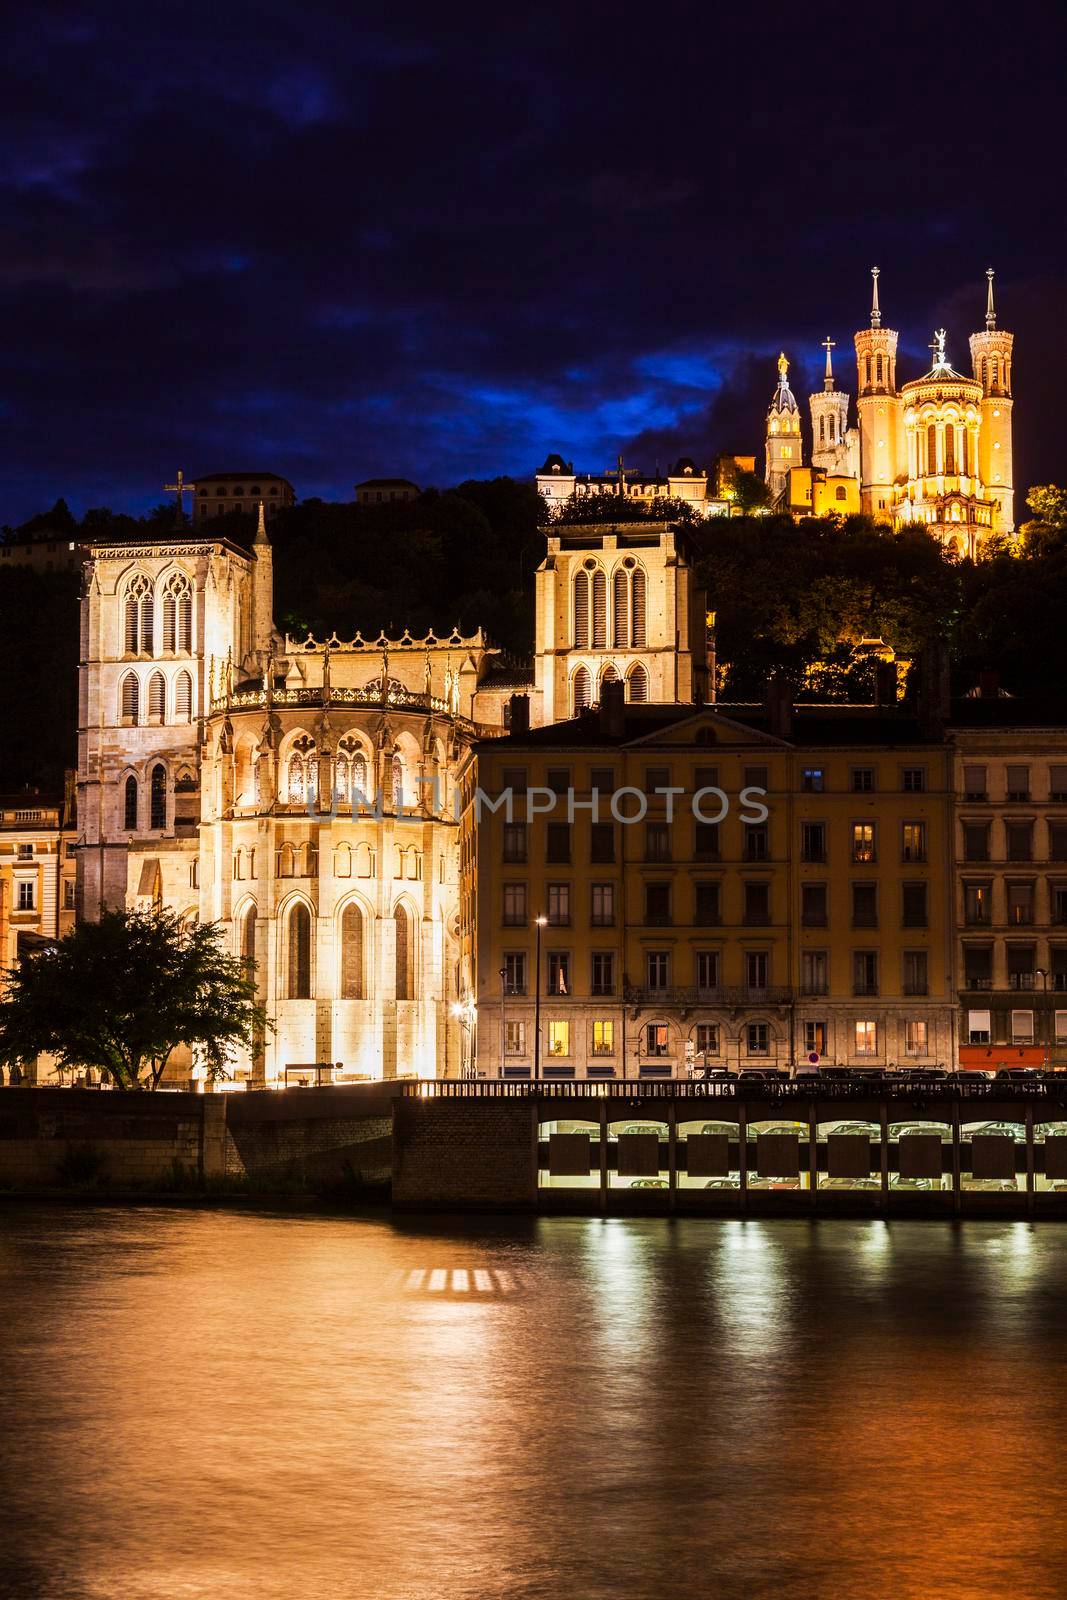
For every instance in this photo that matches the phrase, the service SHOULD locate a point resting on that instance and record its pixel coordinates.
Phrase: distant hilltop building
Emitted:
(935, 450)
(707, 493)
(219, 493)
(379, 491)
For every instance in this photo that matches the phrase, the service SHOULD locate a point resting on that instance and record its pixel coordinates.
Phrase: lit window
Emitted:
(559, 1038)
(604, 1038)
(27, 896)
(866, 1038)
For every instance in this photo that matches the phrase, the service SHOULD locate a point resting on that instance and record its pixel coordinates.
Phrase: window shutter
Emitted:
(600, 605)
(638, 638)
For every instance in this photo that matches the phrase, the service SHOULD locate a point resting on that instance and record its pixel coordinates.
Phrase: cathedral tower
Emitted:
(784, 447)
(879, 410)
(833, 443)
(991, 355)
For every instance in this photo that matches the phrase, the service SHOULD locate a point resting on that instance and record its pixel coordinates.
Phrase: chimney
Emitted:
(988, 685)
(612, 709)
(934, 693)
(519, 718)
(885, 684)
(779, 702)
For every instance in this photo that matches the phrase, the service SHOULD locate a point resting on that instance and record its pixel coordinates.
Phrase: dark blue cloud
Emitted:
(347, 240)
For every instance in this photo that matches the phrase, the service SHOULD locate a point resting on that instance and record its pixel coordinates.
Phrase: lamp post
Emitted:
(1039, 972)
(539, 923)
(503, 1020)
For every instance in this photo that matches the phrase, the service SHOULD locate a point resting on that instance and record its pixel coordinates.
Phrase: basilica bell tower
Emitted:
(879, 408)
(991, 357)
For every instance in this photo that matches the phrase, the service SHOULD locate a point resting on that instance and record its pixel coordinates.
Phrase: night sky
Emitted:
(343, 241)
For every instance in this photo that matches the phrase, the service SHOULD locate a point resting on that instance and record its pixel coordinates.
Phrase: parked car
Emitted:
(729, 1128)
(898, 1130)
(992, 1185)
(799, 1128)
(897, 1182)
(732, 1183)
(649, 1183)
(756, 1182)
(1024, 1077)
(645, 1127)
(851, 1183)
(1013, 1130)
(870, 1128)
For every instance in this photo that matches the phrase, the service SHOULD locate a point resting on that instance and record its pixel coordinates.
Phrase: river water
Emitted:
(234, 1405)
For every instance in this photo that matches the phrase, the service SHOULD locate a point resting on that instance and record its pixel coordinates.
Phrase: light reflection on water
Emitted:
(229, 1405)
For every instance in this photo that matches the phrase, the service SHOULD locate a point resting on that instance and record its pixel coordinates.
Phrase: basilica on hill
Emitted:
(935, 450)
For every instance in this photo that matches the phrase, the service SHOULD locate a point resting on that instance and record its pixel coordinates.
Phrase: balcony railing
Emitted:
(719, 995)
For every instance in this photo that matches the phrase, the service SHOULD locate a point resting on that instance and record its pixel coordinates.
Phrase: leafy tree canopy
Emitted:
(123, 993)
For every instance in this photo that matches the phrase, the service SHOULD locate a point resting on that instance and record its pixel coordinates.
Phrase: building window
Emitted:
(758, 1039)
(657, 842)
(706, 1039)
(559, 1038)
(916, 1037)
(129, 804)
(974, 783)
(183, 697)
(757, 904)
(515, 841)
(915, 972)
(813, 841)
(756, 843)
(976, 904)
(913, 780)
(514, 905)
(976, 841)
(706, 841)
(657, 1039)
(977, 967)
(1020, 904)
(1061, 1026)
(298, 930)
(914, 912)
(866, 1038)
(1022, 1027)
(864, 972)
(139, 616)
(131, 698)
(602, 906)
(158, 798)
(757, 970)
(27, 895)
(657, 905)
(157, 698)
(863, 848)
(602, 842)
(862, 780)
(811, 780)
(559, 972)
(515, 1038)
(913, 841)
(1019, 839)
(1057, 841)
(637, 683)
(177, 614)
(865, 905)
(604, 1037)
(352, 953)
(813, 905)
(515, 972)
(637, 613)
(603, 972)
(815, 1038)
(707, 971)
(558, 843)
(405, 954)
(979, 1027)
(814, 972)
(1021, 965)
(706, 911)
(1018, 783)
(559, 904)
(580, 691)
(68, 894)
(657, 969)
(1057, 783)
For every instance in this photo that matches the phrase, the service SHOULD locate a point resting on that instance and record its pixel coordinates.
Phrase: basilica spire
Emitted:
(990, 309)
(876, 314)
(261, 528)
(828, 344)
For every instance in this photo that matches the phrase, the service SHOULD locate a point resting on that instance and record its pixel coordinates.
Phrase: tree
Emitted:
(123, 993)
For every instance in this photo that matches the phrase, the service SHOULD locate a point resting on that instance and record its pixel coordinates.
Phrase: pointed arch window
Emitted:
(867, 370)
(405, 954)
(581, 611)
(600, 610)
(397, 784)
(580, 690)
(157, 698)
(298, 952)
(177, 614)
(248, 942)
(877, 369)
(638, 608)
(296, 779)
(183, 697)
(158, 797)
(352, 953)
(609, 675)
(131, 697)
(139, 616)
(950, 447)
(638, 683)
(129, 803)
(620, 632)
(931, 447)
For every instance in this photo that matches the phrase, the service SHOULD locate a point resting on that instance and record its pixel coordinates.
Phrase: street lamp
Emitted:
(539, 923)
(1039, 972)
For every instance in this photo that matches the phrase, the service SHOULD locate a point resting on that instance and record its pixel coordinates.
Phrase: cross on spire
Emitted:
(876, 314)
(990, 309)
(938, 347)
(828, 344)
(179, 488)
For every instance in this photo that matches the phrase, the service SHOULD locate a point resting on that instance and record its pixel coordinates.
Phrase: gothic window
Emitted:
(840, 492)
(609, 675)
(130, 803)
(177, 613)
(359, 775)
(138, 616)
(822, 430)
(157, 698)
(867, 370)
(248, 942)
(183, 697)
(581, 611)
(298, 952)
(931, 448)
(405, 964)
(341, 778)
(620, 633)
(985, 375)
(950, 448)
(158, 796)
(638, 684)
(638, 608)
(581, 690)
(600, 609)
(877, 369)
(342, 861)
(352, 953)
(257, 780)
(397, 784)
(131, 697)
(296, 780)
(996, 373)
(286, 861)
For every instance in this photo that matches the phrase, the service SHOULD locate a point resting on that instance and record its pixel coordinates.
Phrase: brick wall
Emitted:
(464, 1153)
